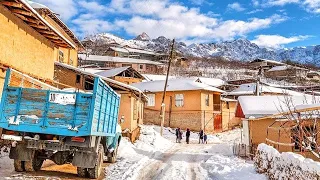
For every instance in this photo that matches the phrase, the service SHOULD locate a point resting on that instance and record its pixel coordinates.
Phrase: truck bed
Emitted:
(60, 112)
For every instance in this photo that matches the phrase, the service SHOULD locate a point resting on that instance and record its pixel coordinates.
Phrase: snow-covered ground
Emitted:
(156, 157)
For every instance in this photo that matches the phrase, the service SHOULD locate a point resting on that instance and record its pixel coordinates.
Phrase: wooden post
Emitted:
(165, 88)
(170, 110)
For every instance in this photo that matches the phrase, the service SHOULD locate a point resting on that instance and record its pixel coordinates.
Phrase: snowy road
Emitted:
(154, 157)
(181, 161)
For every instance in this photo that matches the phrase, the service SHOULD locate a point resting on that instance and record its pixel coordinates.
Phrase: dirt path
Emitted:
(50, 171)
(182, 161)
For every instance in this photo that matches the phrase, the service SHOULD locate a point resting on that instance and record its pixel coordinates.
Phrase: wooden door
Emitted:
(217, 123)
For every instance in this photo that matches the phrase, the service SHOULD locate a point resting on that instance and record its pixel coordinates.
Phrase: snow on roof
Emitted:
(249, 89)
(92, 70)
(119, 49)
(259, 106)
(112, 72)
(267, 60)
(279, 68)
(84, 57)
(174, 85)
(157, 77)
(212, 81)
(140, 51)
(228, 100)
(104, 78)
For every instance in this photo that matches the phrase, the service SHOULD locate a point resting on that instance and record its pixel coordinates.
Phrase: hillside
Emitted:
(239, 49)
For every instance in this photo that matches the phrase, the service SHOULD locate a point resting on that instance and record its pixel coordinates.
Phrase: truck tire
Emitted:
(33, 165)
(95, 172)
(113, 158)
(82, 172)
(18, 165)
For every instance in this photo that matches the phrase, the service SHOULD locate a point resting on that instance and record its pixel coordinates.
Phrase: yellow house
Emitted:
(131, 102)
(31, 43)
(263, 120)
(228, 109)
(188, 104)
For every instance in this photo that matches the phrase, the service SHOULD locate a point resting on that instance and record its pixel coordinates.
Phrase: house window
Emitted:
(78, 78)
(179, 100)
(207, 99)
(61, 56)
(151, 99)
(135, 110)
(228, 105)
(140, 66)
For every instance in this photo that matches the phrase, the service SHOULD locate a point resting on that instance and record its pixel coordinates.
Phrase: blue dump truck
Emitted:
(66, 127)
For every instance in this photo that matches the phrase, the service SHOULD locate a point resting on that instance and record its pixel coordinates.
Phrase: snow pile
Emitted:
(286, 165)
(151, 140)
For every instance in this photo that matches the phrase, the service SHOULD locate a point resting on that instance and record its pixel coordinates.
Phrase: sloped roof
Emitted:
(249, 89)
(267, 60)
(84, 57)
(212, 81)
(117, 71)
(52, 15)
(260, 106)
(23, 10)
(174, 85)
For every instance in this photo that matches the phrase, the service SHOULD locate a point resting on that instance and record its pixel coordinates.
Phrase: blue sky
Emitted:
(268, 23)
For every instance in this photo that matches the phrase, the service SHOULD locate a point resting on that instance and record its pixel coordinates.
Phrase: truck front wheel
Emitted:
(96, 171)
(18, 165)
(33, 165)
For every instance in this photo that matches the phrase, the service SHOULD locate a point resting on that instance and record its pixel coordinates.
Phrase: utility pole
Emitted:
(257, 90)
(163, 106)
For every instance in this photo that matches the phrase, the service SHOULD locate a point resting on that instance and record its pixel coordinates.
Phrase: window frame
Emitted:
(207, 99)
(179, 100)
(149, 104)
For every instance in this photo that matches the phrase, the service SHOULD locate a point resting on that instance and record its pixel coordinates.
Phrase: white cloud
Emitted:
(255, 2)
(254, 11)
(312, 5)
(235, 6)
(276, 41)
(227, 30)
(89, 24)
(65, 8)
(280, 2)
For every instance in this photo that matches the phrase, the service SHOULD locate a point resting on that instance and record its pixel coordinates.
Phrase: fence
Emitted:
(243, 150)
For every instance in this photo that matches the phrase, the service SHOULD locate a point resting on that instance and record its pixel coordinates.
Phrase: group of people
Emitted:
(202, 136)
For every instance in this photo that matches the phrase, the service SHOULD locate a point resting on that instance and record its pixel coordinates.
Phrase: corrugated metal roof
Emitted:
(112, 72)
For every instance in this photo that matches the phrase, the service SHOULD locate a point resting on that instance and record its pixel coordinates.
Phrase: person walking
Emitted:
(205, 138)
(188, 135)
(201, 136)
(177, 135)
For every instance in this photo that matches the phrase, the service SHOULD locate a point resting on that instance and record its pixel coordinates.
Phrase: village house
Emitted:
(264, 120)
(128, 52)
(140, 65)
(188, 104)
(32, 39)
(286, 72)
(265, 64)
(131, 102)
(313, 75)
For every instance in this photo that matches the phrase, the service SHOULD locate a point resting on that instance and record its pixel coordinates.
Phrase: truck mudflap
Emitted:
(85, 159)
(20, 152)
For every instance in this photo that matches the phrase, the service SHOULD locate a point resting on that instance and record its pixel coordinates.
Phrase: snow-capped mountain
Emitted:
(240, 49)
